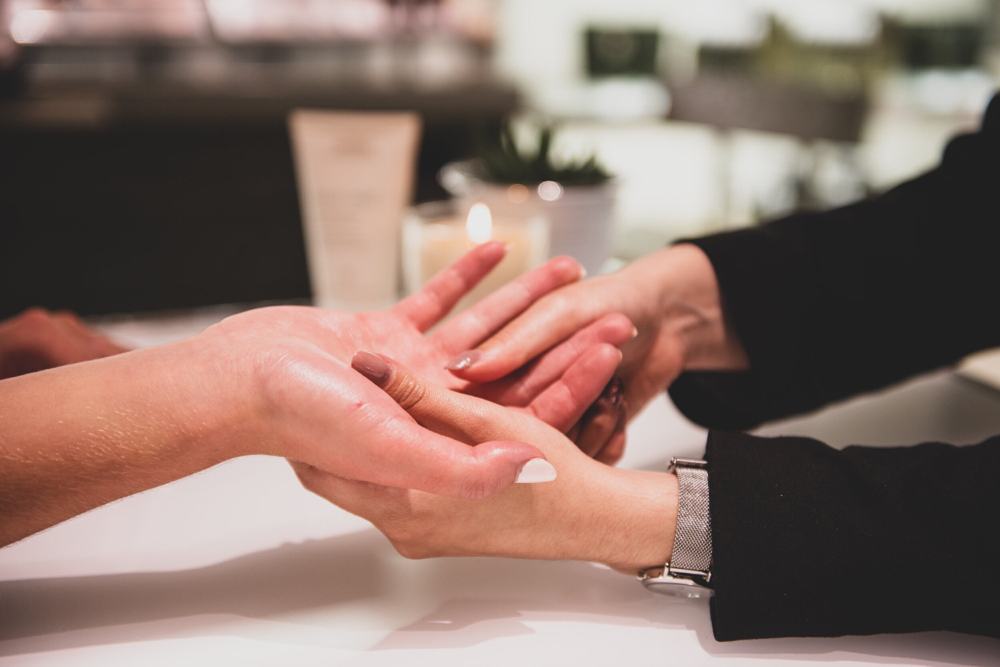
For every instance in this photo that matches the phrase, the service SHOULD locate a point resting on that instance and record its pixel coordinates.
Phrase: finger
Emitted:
(544, 324)
(412, 456)
(105, 347)
(92, 343)
(574, 432)
(482, 320)
(433, 460)
(612, 452)
(87, 343)
(59, 341)
(564, 402)
(600, 420)
(433, 301)
(524, 385)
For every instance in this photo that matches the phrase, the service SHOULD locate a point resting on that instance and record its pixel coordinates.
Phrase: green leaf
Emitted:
(504, 163)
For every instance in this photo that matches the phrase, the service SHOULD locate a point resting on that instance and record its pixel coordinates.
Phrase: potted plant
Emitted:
(575, 197)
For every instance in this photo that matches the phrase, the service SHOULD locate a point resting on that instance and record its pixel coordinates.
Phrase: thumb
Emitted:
(472, 472)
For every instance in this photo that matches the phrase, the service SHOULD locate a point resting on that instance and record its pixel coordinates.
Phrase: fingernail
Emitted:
(583, 273)
(372, 366)
(464, 360)
(635, 332)
(615, 391)
(535, 471)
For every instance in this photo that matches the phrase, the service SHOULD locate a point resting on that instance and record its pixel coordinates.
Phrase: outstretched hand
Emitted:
(320, 411)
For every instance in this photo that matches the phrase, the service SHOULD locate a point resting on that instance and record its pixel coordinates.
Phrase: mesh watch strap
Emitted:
(693, 536)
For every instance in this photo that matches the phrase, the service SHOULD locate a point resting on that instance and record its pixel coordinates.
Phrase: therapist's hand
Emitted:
(589, 512)
(671, 296)
(38, 339)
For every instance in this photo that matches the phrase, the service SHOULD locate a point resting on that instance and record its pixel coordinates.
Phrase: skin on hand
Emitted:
(600, 432)
(278, 381)
(38, 339)
(320, 409)
(622, 518)
(671, 296)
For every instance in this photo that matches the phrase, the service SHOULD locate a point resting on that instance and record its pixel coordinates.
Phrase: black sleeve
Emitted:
(809, 541)
(835, 303)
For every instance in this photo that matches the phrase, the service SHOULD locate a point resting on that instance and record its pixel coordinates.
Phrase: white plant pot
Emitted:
(580, 219)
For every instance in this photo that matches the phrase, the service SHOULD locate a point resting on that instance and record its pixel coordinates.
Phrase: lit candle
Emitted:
(434, 237)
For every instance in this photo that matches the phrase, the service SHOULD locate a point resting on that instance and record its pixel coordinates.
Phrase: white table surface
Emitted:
(239, 566)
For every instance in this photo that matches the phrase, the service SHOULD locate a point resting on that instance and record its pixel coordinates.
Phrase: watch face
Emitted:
(676, 585)
(679, 589)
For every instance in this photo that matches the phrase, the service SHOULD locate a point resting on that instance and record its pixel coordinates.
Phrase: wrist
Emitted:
(644, 520)
(693, 310)
(212, 398)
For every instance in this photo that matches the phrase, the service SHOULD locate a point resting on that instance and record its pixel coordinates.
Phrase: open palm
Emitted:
(316, 407)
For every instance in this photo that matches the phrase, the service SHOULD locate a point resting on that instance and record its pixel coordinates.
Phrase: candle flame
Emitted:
(479, 224)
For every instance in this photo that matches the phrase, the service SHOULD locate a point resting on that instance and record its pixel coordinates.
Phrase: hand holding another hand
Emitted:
(312, 407)
(671, 296)
(277, 381)
(592, 512)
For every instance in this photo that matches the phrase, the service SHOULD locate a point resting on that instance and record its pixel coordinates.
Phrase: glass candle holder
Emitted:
(437, 233)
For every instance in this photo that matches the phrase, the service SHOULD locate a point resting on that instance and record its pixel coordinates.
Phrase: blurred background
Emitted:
(145, 163)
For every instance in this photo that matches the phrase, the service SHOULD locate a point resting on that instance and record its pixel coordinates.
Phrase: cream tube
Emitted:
(355, 175)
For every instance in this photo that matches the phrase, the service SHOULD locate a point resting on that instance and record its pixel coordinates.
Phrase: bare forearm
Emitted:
(77, 437)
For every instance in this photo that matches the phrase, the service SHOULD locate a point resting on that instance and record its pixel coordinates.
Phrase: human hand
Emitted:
(312, 407)
(38, 339)
(277, 381)
(672, 298)
(622, 518)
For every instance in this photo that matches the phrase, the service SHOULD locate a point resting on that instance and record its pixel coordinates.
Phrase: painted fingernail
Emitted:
(372, 366)
(464, 360)
(535, 471)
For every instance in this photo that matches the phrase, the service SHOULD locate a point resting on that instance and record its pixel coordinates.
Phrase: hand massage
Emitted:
(447, 379)
(495, 433)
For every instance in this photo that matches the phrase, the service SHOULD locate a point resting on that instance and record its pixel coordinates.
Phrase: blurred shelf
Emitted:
(267, 101)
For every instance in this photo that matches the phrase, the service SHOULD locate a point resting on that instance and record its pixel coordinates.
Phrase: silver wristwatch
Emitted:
(690, 568)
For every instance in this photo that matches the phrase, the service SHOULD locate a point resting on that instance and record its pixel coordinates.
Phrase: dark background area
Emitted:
(177, 198)
(148, 219)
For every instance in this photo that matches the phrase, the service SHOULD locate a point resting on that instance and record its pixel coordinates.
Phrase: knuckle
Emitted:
(409, 393)
(500, 340)
(475, 320)
(524, 290)
(558, 302)
(477, 489)
(36, 317)
(618, 324)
